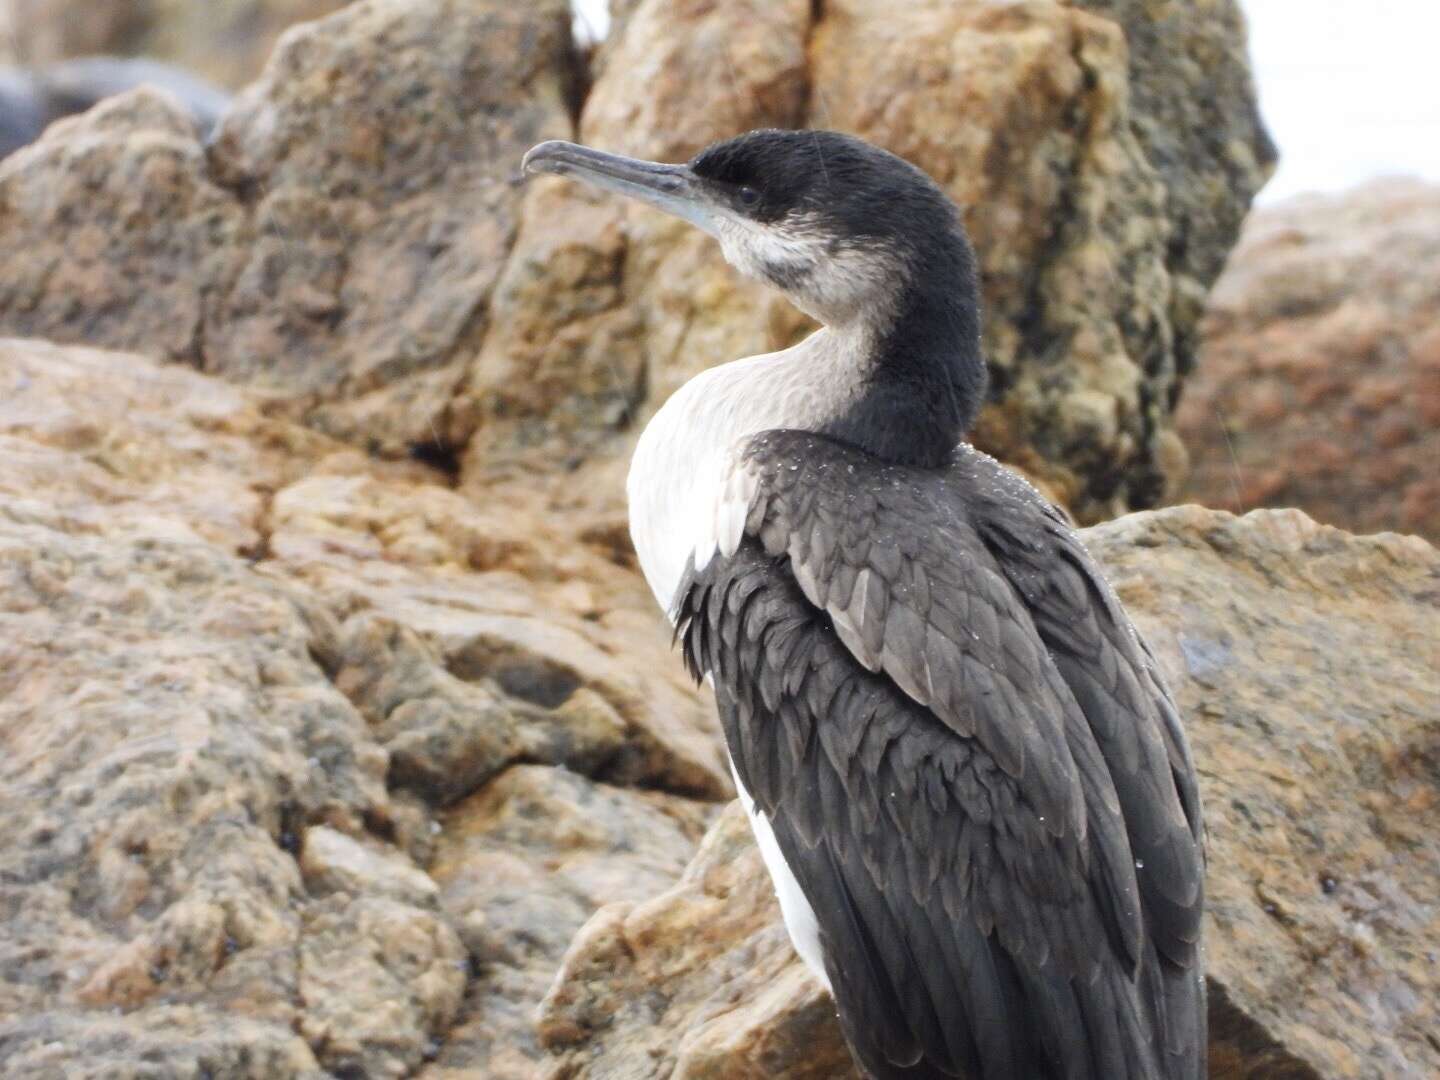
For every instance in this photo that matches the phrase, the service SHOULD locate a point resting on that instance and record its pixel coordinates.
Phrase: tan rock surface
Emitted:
(521, 866)
(337, 246)
(1319, 385)
(117, 445)
(1305, 660)
(1035, 116)
(113, 231)
(236, 660)
(474, 638)
(165, 729)
(355, 244)
(380, 147)
(730, 998)
(226, 40)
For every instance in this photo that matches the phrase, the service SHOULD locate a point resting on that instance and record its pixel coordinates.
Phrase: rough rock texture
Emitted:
(149, 867)
(226, 40)
(471, 643)
(113, 231)
(1098, 226)
(356, 247)
(337, 246)
(698, 981)
(1193, 108)
(1319, 386)
(1305, 660)
(521, 866)
(118, 446)
(242, 672)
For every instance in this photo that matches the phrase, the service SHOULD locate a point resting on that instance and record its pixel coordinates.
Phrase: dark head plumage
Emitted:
(857, 237)
(861, 192)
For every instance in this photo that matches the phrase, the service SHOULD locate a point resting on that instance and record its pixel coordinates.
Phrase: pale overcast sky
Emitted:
(1349, 88)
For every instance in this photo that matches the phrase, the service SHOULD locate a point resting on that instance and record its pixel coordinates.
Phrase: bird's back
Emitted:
(969, 762)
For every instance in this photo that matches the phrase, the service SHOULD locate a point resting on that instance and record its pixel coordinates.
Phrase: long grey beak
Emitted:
(672, 188)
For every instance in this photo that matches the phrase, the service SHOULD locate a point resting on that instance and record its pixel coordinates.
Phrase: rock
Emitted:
(469, 647)
(521, 866)
(699, 981)
(228, 42)
(44, 30)
(240, 668)
(113, 232)
(390, 285)
(169, 1040)
(166, 729)
(1098, 225)
(334, 260)
(119, 447)
(382, 981)
(431, 207)
(1303, 658)
(331, 862)
(1194, 111)
(1319, 385)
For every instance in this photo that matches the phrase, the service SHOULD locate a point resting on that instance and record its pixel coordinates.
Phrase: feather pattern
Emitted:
(968, 761)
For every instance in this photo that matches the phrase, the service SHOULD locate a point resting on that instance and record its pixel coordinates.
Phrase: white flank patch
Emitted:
(689, 499)
(800, 921)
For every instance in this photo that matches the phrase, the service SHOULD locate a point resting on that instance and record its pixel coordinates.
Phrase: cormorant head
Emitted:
(853, 235)
(848, 231)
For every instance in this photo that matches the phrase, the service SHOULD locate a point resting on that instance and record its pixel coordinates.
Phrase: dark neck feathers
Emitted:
(924, 379)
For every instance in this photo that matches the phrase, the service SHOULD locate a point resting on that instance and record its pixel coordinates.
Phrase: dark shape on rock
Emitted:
(22, 117)
(30, 100)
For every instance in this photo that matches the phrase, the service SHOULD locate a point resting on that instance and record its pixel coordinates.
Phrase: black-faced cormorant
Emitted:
(963, 768)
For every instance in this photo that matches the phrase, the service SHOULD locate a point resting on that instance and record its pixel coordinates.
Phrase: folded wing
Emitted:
(969, 762)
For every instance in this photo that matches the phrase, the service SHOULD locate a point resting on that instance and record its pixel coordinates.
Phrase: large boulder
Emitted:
(114, 233)
(1304, 659)
(269, 713)
(336, 247)
(1098, 222)
(1319, 384)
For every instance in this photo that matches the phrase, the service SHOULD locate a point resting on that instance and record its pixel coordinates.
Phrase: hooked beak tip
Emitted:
(544, 157)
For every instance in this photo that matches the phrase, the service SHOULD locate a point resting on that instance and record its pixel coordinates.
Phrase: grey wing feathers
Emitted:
(969, 761)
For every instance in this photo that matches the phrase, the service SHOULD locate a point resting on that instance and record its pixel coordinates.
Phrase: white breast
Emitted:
(677, 478)
(678, 500)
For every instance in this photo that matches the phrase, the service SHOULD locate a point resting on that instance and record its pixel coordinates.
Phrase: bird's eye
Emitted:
(748, 196)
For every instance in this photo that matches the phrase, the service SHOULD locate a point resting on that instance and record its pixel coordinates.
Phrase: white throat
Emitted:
(677, 476)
